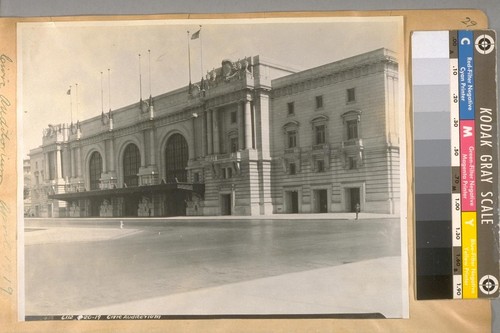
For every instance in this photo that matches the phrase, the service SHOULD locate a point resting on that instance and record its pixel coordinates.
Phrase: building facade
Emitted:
(336, 137)
(252, 138)
(27, 188)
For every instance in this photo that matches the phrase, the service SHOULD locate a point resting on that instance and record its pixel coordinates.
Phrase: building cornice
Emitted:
(377, 61)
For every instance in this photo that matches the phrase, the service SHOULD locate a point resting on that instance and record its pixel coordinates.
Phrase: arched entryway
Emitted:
(95, 170)
(131, 164)
(176, 160)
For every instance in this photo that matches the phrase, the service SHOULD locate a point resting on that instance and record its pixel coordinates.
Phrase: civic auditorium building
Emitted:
(252, 138)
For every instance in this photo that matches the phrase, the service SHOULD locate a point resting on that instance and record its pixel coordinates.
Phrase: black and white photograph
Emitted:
(213, 168)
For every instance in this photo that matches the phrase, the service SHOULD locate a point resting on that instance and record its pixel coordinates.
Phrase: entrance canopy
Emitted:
(147, 189)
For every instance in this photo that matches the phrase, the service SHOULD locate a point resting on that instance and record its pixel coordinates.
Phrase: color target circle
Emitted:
(485, 44)
(488, 284)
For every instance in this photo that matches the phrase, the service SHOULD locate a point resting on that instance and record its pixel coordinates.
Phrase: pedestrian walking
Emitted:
(358, 209)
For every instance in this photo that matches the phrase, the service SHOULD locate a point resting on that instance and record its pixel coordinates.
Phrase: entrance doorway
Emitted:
(320, 201)
(292, 202)
(225, 200)
(49, 210)
(353, 198)
(175, 203)
(130, 205)
(94, 208)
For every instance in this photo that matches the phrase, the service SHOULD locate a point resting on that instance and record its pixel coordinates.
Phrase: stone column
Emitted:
(210, 150)
(241, 126)
(215, 122)
(143, 147)
(193, 122)
(203, 133)
(152, 151)
(253, 112)
(78, 162)
(73, 163)
(111, 155)
(67, 162)
(263, 134)
(248, 125)
(104, 159)
(58, 164)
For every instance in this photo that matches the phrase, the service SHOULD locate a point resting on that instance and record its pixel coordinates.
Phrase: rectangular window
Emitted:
(320, 165)
(320, 134)
(292, 139)
(291, 108)
(292, 168)
(229, 173)
(353, 163)
(351, 95)
(234, 144)
(233, 117)
(352, 129)
(196, 177)
(319, 102)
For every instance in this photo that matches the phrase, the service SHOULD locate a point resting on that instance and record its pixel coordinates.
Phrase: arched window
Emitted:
(131, 165)
(320, 130)
(351, 120)
(176, 158)
(291, 131)
(95, 169)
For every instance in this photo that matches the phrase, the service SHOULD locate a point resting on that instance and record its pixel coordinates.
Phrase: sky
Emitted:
(55, 56)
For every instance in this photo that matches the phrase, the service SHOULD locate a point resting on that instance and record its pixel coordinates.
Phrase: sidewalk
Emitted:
(325, 216)
(309, 216)
(340, 289)
(35, 236)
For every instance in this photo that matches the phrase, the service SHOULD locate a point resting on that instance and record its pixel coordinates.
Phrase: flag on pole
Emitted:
(196, 35)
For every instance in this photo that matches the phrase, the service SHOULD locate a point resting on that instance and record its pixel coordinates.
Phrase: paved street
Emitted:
(179, 265)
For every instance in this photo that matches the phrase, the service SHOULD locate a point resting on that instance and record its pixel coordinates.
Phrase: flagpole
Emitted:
(201, 51)
(149, 70)
(140, 81)
(109, 89)
(76, 103)
(70, 105)
(110, 117)
(189, 61)
(102, 97)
